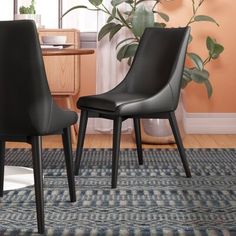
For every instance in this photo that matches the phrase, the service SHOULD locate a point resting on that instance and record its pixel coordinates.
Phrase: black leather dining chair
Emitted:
(27, 110)
(150, 89)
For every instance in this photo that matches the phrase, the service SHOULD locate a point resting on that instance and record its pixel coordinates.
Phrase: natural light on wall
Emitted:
(84, 20)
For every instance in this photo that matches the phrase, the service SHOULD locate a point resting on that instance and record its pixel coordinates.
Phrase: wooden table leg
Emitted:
(74, 128)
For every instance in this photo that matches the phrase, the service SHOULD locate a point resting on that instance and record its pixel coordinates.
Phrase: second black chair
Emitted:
(27, 110)
(150, 89)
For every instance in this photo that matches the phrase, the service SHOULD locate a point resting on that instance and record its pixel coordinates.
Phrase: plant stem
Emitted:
(155, 5)
(207, 60)
(195, 9)
(135, 4)
(193, 3)
(106, 10)
(124, 23)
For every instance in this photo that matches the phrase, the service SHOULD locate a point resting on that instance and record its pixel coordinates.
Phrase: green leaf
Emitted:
(126, 51)
(105, 30)
(117, 2)
(210, 44)
(214, 48)
(124, 40)
(96, 2)
(110, 18)
(129, 1)
(164, 16)
(114, 30)
(131, 50)
(130, 61)
(205, 18)
(142, 19)
(122, 18)
(190, 39)
(113, 14)
(186, 77)
(208, 88)
(121, 52)
(187, 74)
(197, 61)
(199, 76)
(217, 51)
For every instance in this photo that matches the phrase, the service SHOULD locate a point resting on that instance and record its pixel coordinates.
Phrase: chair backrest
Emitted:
(159, 60)
(25, 99)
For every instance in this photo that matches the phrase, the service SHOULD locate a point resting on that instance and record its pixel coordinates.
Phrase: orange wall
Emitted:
(223, 70)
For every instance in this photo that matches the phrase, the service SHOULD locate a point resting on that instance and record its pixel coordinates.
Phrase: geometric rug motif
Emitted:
(153, 199)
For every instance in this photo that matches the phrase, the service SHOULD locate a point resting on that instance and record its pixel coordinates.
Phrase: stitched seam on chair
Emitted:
(171, 93)
(50, 116)
(134, 101)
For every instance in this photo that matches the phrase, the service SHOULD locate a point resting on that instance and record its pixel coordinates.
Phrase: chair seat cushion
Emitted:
(60, 119)
(108, 101)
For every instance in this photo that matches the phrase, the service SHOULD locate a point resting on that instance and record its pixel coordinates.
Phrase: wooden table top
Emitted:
(64, 52)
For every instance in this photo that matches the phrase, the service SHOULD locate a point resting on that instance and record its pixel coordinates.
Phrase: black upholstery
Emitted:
(27, 110)
(150, 89)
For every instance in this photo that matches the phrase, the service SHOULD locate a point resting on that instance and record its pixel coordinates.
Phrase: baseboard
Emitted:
(209, 123)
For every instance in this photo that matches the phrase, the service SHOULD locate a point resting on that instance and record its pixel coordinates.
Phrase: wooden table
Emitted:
(68, 98)
(65, 52)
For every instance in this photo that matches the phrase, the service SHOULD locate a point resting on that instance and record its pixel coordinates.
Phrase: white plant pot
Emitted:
(158, 131)
(35, 17)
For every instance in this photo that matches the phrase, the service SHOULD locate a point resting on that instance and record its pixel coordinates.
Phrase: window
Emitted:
(82, 19)
(6, 10)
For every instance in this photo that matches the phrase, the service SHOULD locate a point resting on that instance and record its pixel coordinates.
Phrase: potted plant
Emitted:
(29, 12)
(141, 14)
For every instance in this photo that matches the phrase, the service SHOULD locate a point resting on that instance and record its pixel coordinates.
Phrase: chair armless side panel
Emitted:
(177, 73)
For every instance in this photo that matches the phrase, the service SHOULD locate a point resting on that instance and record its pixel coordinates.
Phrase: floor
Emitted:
(127, 141)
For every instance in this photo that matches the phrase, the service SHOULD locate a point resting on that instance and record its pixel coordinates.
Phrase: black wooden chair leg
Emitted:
(66, 138)
(175, 129)
(137, 131)
(38, 180)
(116, 150)
(80, 142)
(2, 160)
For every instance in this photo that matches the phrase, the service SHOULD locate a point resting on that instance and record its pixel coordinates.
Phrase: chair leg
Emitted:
(66, 138)
(116, 150)
(36, 142)
(80, 142)
(137, 131)
(175, 129)
(2, 160)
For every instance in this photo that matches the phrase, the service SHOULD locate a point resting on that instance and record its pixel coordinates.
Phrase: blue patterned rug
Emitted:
(153, 199)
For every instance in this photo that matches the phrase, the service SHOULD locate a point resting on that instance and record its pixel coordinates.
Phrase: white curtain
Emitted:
(82, 19)
(109, 70)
